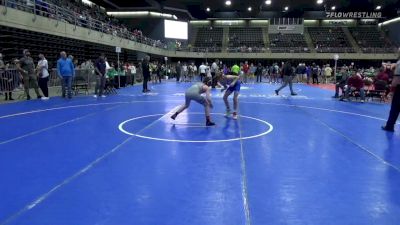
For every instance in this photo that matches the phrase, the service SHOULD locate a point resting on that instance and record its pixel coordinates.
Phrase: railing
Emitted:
(379, 50)
(11, 80)
(334, 50)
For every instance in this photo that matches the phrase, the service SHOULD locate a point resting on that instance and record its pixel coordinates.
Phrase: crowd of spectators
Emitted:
(89, 16)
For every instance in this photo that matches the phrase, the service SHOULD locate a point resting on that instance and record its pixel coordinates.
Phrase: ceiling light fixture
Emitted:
(228, 3)
(286, 8)
(208, 9)
(378, 7)
(268, 2)
(320, 2)
(249, 9)
(333, 8)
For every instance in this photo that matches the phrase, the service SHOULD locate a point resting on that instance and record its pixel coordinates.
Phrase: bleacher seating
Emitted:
(246, 36)
(370, 39)
(15, 40)
(288, 43)
(330, 39)
(209, 37)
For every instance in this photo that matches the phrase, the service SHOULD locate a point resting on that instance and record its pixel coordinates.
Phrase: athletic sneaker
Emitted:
(228, 113)
(45, 98)
(209, 123)
(94, 96)
(387, 129)
(234, 116)
(174, 116)
(362, 101)
(294, 94)
(276, 92)
(103, 96)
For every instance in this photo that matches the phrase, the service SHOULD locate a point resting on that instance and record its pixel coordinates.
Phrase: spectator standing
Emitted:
(258, 72)
(303, 73)
(327, 74)
(26, 67)
(214, 70)
(235, 69)
(160, 72)
(202, 69)
(5, 80)
(185, 72)
(271, 74)
(153, 70)
(299, 73)
(43, 74)
(65, 70)
(314, 73)
(132, 68)
(87, 69)
(178, 69)
(246, 71)
(308, 74)
(100, 67)
(146, 73)
(276, 73)
(2, 65)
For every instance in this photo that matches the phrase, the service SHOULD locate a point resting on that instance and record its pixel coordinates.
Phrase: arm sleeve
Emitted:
(58, 68)
(72, 68)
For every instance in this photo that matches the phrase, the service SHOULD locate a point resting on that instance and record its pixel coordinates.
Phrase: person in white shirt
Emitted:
(185, 72)
(214, 70)
(132, 68)
(327, 73)
(192, 71)
(203, 71)
(43, 74)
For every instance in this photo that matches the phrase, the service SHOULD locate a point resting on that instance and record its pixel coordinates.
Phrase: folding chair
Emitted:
(80, 83)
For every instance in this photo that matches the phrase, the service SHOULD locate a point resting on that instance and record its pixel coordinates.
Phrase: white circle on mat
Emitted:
(267, 131)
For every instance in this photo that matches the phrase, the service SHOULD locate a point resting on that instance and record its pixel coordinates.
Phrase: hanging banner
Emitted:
(354, 15)
(286, 28)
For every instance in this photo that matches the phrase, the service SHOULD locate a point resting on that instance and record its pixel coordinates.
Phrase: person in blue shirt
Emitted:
(65, 70)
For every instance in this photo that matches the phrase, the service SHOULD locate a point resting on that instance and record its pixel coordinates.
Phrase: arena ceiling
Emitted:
(197, 9)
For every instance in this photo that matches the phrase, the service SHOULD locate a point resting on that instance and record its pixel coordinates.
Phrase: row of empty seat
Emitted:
(369, 37)
(330, 39)
(281, 42)
(209, 37)
(324, 39)
(246, 36)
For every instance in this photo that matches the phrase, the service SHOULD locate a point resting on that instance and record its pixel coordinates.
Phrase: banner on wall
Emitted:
(354, 15)
(286, 28)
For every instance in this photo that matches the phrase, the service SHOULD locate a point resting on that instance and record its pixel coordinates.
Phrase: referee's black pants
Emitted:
(395, 109)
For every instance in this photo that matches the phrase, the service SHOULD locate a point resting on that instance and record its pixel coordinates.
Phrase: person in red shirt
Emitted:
(354, 83)
(246, 70)
(381, 81)
(382, 75)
